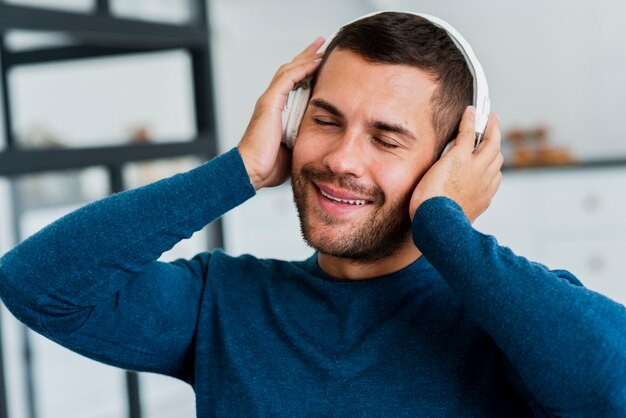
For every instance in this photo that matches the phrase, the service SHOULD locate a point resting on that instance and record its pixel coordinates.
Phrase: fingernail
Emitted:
(472, 110)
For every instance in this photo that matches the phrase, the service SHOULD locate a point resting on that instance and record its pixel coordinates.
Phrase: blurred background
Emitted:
(99, 96)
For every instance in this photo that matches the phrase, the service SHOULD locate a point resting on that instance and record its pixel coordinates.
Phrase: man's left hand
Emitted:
(467, 176)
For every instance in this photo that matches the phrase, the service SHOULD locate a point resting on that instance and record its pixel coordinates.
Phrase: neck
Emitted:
(351, 269)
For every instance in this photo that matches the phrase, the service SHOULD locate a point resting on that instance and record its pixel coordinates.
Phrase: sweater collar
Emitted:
(410, 272)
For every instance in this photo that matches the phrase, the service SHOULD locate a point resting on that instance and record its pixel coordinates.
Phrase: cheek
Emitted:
(306, 149)
(396, 187)
(300, 153)
(399, 180)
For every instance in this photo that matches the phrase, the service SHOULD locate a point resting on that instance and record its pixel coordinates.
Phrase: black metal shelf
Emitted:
(99, 33)
(574, 165)
(101, 28)
(74, 52)
(16, 162)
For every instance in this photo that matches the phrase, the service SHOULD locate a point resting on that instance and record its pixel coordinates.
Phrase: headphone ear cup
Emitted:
(294, 112)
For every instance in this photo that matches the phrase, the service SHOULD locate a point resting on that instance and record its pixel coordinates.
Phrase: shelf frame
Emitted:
(20, 162)
(102, 28)
(94, 34)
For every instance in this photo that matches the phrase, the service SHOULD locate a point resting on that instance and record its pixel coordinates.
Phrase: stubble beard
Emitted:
(375, 237)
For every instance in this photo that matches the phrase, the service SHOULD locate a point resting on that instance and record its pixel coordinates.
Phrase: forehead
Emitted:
(381, 90)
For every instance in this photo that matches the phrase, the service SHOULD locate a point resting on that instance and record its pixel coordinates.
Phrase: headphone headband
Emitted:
(299, 97)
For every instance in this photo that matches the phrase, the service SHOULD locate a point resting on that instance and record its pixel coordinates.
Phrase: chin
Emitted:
(356, 242)
(370, 233)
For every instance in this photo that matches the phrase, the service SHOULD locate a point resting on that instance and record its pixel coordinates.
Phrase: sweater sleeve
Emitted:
(90, 281)
(567, 343)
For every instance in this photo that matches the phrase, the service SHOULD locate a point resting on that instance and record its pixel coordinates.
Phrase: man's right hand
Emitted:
(266, 161)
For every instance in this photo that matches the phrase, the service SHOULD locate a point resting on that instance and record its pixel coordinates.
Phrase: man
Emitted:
(404, 310)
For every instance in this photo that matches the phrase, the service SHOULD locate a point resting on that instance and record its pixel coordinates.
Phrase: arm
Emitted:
(90, 280)
(567, 343)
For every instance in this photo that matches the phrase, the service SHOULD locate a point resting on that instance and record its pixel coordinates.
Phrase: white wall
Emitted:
(558, 63)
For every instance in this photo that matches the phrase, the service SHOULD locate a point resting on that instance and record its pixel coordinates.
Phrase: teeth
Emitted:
(336, 199)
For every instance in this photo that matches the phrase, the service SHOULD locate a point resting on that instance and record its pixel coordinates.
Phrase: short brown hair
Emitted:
(407, 39)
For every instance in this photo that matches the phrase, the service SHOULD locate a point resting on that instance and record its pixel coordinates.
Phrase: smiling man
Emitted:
(365, 140)
(404, 309)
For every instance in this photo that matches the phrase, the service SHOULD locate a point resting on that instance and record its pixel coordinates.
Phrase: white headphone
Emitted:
(299, 97)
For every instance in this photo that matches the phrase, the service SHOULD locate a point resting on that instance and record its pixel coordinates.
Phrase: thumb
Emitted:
(467, 130)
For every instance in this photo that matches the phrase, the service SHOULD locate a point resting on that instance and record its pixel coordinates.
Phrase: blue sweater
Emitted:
(468, 330)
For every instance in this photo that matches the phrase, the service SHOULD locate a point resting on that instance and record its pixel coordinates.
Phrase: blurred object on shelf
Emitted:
(141, 173)
(140, 135)
(39, 137)
(532, 147)
(92, 102)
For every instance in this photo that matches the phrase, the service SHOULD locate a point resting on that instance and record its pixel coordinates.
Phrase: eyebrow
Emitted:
(376, 124)
(392, 127)
(324, 105)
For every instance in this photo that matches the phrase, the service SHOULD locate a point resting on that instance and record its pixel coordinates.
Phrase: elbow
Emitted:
(37, 308)
(18, 298)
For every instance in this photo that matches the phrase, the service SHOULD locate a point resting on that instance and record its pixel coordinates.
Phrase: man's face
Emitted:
(365, 141)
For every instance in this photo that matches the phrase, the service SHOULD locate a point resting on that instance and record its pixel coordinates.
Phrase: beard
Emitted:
(377, 234)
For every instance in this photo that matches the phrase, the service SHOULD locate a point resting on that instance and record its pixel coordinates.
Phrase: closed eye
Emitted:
(383, 143)
(325, 122)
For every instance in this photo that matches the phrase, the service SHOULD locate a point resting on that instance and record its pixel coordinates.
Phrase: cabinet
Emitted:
(38, 379)
(567, 218)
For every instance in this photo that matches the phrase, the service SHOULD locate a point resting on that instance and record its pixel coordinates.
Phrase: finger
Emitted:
(495, 166)
(495, 184)
(295, 71)
(289, 75)
(298, 61)
(492, 140)
(492, 131)
(493, 128)
(312, 48)
(467, 134)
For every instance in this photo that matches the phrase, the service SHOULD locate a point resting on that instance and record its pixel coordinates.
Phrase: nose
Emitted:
(346, 155)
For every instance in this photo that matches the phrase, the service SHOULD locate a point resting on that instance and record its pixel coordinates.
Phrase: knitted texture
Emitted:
(468, 330)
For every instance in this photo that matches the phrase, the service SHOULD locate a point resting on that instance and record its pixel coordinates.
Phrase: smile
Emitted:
(339, 197)
(340, 203)
(336, 199)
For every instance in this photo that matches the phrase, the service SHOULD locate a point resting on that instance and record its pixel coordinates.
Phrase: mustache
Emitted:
(345, 182)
